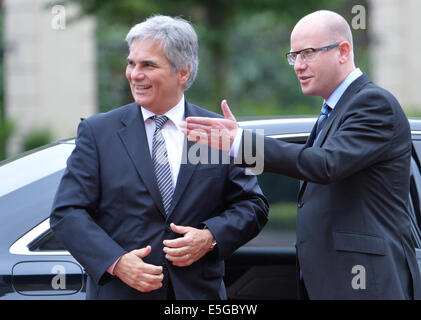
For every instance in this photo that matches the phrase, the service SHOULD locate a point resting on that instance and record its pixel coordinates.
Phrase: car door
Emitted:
(43, 268)
(33, 265)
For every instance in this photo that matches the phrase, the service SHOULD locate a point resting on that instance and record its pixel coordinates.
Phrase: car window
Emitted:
(415, 182)
(414, 199)
(417, 148)
(46, 242)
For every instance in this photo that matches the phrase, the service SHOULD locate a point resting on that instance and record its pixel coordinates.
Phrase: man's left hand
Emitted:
(189, 248)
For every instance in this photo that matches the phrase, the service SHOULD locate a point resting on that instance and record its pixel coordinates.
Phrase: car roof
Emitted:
(293, 124)
(415, 125)
(280, 125)
(34, 165)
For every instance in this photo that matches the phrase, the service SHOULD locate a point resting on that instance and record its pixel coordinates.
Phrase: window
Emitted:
(46, 242)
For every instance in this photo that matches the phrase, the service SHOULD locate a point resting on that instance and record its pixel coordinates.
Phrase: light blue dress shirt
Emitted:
(339, 91)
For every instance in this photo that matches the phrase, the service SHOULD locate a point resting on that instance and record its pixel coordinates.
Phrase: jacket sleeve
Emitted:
(366, 134)
(245, 214)
(75, 204)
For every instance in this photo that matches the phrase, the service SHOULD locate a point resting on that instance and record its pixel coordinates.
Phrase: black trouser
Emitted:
(302, 293)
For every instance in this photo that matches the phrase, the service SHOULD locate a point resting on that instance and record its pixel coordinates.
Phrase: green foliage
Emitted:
(6, 126)
(282, 216)
(412, 111)
(6, 129)
(37, 138)
(242, 46)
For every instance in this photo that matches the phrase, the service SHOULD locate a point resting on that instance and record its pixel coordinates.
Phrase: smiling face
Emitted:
(154, 84)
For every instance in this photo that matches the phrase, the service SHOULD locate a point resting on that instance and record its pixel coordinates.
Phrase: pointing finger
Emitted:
(227, 111)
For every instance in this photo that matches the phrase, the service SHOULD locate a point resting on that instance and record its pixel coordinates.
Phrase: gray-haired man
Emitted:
(144, 224)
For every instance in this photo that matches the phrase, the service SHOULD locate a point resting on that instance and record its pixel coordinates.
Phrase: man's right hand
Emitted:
(218, 133)
(137, 274)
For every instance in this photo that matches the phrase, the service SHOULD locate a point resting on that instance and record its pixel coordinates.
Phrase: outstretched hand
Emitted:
(217, 133)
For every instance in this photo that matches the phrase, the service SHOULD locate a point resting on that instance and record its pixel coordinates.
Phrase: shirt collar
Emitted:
(175, 114)
(339, 91)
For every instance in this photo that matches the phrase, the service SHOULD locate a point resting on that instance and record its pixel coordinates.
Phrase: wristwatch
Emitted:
(213, 244)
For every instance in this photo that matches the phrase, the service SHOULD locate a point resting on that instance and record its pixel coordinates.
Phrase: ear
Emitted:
(344, 52)
(183, 76)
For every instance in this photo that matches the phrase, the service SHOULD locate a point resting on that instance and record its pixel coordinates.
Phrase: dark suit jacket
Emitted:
(108, 203)
(352, 205)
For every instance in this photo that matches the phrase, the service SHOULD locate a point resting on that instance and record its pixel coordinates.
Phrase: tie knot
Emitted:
(159, 121)
(326, 109)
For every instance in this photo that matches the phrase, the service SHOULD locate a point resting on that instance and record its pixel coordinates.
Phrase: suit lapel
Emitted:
(186, 168)
(312, 136)
(325, 130)
(133, 137)
(339, 109)
(309, 143)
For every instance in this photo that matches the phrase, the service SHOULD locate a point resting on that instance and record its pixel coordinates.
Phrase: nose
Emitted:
(136, 74)
(299, 64)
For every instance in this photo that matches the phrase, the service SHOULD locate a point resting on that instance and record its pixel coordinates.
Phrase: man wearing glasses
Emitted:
(353, 230)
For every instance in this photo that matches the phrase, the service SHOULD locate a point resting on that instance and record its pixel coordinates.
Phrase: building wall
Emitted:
(50, 69)
(395, 31)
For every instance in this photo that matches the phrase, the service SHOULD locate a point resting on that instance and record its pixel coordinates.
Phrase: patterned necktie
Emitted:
(160, 163)
(321, 121)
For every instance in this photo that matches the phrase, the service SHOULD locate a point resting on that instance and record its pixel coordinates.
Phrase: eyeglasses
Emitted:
(308, 54)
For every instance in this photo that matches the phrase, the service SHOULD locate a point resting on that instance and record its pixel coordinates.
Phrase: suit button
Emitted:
(168, 229)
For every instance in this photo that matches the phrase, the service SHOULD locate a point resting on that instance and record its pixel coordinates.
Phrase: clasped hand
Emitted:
(192, 246)
(182, 252)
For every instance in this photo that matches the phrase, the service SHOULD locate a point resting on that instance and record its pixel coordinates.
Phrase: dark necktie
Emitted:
(160, 163)
(321, 121)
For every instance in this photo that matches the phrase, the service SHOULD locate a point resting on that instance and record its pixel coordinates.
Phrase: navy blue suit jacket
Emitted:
(353, 229)
(108, 203)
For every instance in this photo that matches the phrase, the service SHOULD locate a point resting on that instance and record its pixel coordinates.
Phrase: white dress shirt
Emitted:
(174, 142)
(174, 138)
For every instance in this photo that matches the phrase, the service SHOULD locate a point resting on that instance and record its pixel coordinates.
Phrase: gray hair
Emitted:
(178, 39)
